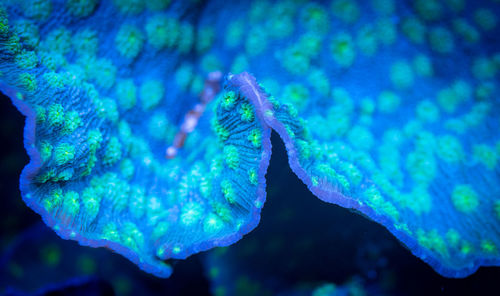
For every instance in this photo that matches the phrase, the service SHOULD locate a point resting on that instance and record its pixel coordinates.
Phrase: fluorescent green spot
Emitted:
(53, 200)
(185, 44)
(401, 74)
(27, 32)
(441, 40)
(256, 41)
(427, 111)
(104, 73)
(485, 155)
(206, 36)
(466, 248)
(81, 8)
(455, 5)
(157, 5)
(234, 33)
(315, 18)
(126, 93)
(432, 241)
(346, 10)
(422, 65)
(127, 168)
(318, 79)
(160, 127)
(184, 76)
(414, 30)
(191, 213)
(71, 204)
(464, 198)
(50, 254)
(231, 156)
(64, 153)
(106, 108)
(110, 232)
(367, 40)
(386, 31)
(428, 9)
(151, 93)
(388, 102)
(295, 60)
(384, 7)
(488, 246)
(453, 237)
(419, 200)
(342, 49)
(463, 28)
(129, 41)
(54, 80)
(449, 98)
(450, 149)
(71, 122)
(483, 68)
(486, 19)
(497, 209)
(360, 137)
(91, 203)
(28, 82)
(130, 6)
(228, 100)
(160, 230)
(41, 116)
(297, 94)
(37, 9)
(26, 59)
(58, 41)
(228, 191)
(52, 61)
(113, 152)
(162, 31)
(421, 166)
(247, 113)
(45, 151)
(255, 137)
(94, 139)
(253, 178)
(212, 224)
(136, 205)
(85, 42)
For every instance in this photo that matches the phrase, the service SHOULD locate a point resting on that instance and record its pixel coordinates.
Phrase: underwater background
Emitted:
(147, 128)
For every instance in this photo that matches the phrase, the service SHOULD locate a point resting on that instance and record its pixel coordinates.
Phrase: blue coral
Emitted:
(398, 127)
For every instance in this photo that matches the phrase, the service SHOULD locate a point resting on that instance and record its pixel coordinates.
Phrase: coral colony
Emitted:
(148, 122)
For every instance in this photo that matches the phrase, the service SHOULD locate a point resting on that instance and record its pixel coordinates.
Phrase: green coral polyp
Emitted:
(71, 204)
(129, 41)
(247, 113)
(228, 100)
(255, 137)
(464, 198)
(113, 152)
(28, 81)
(151, 93)
(228, 191)
(162, 31)
(64, 153)
(231, 156)
(27, 59)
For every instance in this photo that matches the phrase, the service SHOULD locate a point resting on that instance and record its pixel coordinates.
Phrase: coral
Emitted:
(133, 149)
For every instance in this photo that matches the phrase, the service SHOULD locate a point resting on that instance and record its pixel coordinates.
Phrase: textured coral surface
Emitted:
(385, 107)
